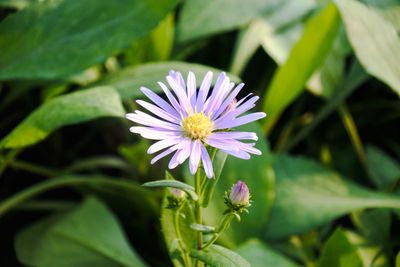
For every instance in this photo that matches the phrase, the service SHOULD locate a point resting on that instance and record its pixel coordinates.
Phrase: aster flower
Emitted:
(195, 118)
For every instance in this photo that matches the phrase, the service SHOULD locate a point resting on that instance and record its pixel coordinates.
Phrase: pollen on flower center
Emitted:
(197, 126)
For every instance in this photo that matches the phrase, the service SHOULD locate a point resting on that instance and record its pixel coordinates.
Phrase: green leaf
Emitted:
(157, 46)
(200, 18)
(369, 253)
(72, 180)
(53, 39)
(217, 256)
(174, 184)
(129, 80)
(202, 228)
(18, 4)
(398, 260)
(73, 108)
(338, 251)
(374, 39)
(188, 236)
(383, 169)
(374, 224)
(308, 195)
(88, 235)
(276, 31)
(305, 57)
(259, 255)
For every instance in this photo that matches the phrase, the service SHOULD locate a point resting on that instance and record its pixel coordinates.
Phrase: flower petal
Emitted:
(180, 93)
(159, 101)
(227, 101)
(163, 154)
(240, 121)
(172, 117)
(145, 119)
(203, 91)
(163, 144)
(208, 168)
(154, 133)
(235, 135)
(191, 89)
(170, 97)
(185, 151)
(195, 156)
(236, 112)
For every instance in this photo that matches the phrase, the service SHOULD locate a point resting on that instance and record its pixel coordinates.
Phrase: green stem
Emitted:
(204, 179)
(198, 208)
(4, 162)
(226, 220)
(39, 188)
(30, 167)
(198, 213)
(179, 236)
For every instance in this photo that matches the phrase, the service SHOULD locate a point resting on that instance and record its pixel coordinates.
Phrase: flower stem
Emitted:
(204, 179)
(226, 220)
(179, 236)
(198, 208)
(197, 189)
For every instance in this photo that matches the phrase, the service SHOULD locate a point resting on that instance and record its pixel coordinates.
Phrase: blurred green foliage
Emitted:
(325, 190)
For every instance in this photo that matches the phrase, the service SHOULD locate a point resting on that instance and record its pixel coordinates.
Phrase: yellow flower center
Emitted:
(197, 126)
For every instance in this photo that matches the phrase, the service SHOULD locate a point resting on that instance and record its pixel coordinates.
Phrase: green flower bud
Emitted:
(176, 198)
(238, 197)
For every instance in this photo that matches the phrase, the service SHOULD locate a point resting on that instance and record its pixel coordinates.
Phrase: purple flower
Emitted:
(195, 118)
(240, 194)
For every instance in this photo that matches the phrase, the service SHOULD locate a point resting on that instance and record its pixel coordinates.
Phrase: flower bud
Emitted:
(177, 193)
(240, 194)
(238, 197)
(176, 197)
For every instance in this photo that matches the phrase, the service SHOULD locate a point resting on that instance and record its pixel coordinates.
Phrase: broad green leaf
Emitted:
(188, 235)
(53, 39)
(308, 195)
(276, 31)
(273, 31)
(374, 224)
(374, 39)
(259, 255)
(383, 169)
(73, 108)
(217, 256)
(202, 228)
(200, 18)
(174, 184)
(284, 27)
(129, 80)
(305, 57)
(157, 46)
(72, 181)
(398, 260)
(347, 249)
(388, 9)
(18, 4)
(370, 254)
(326, 80)
(338, 251)
(257, 173)
(88, 235)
